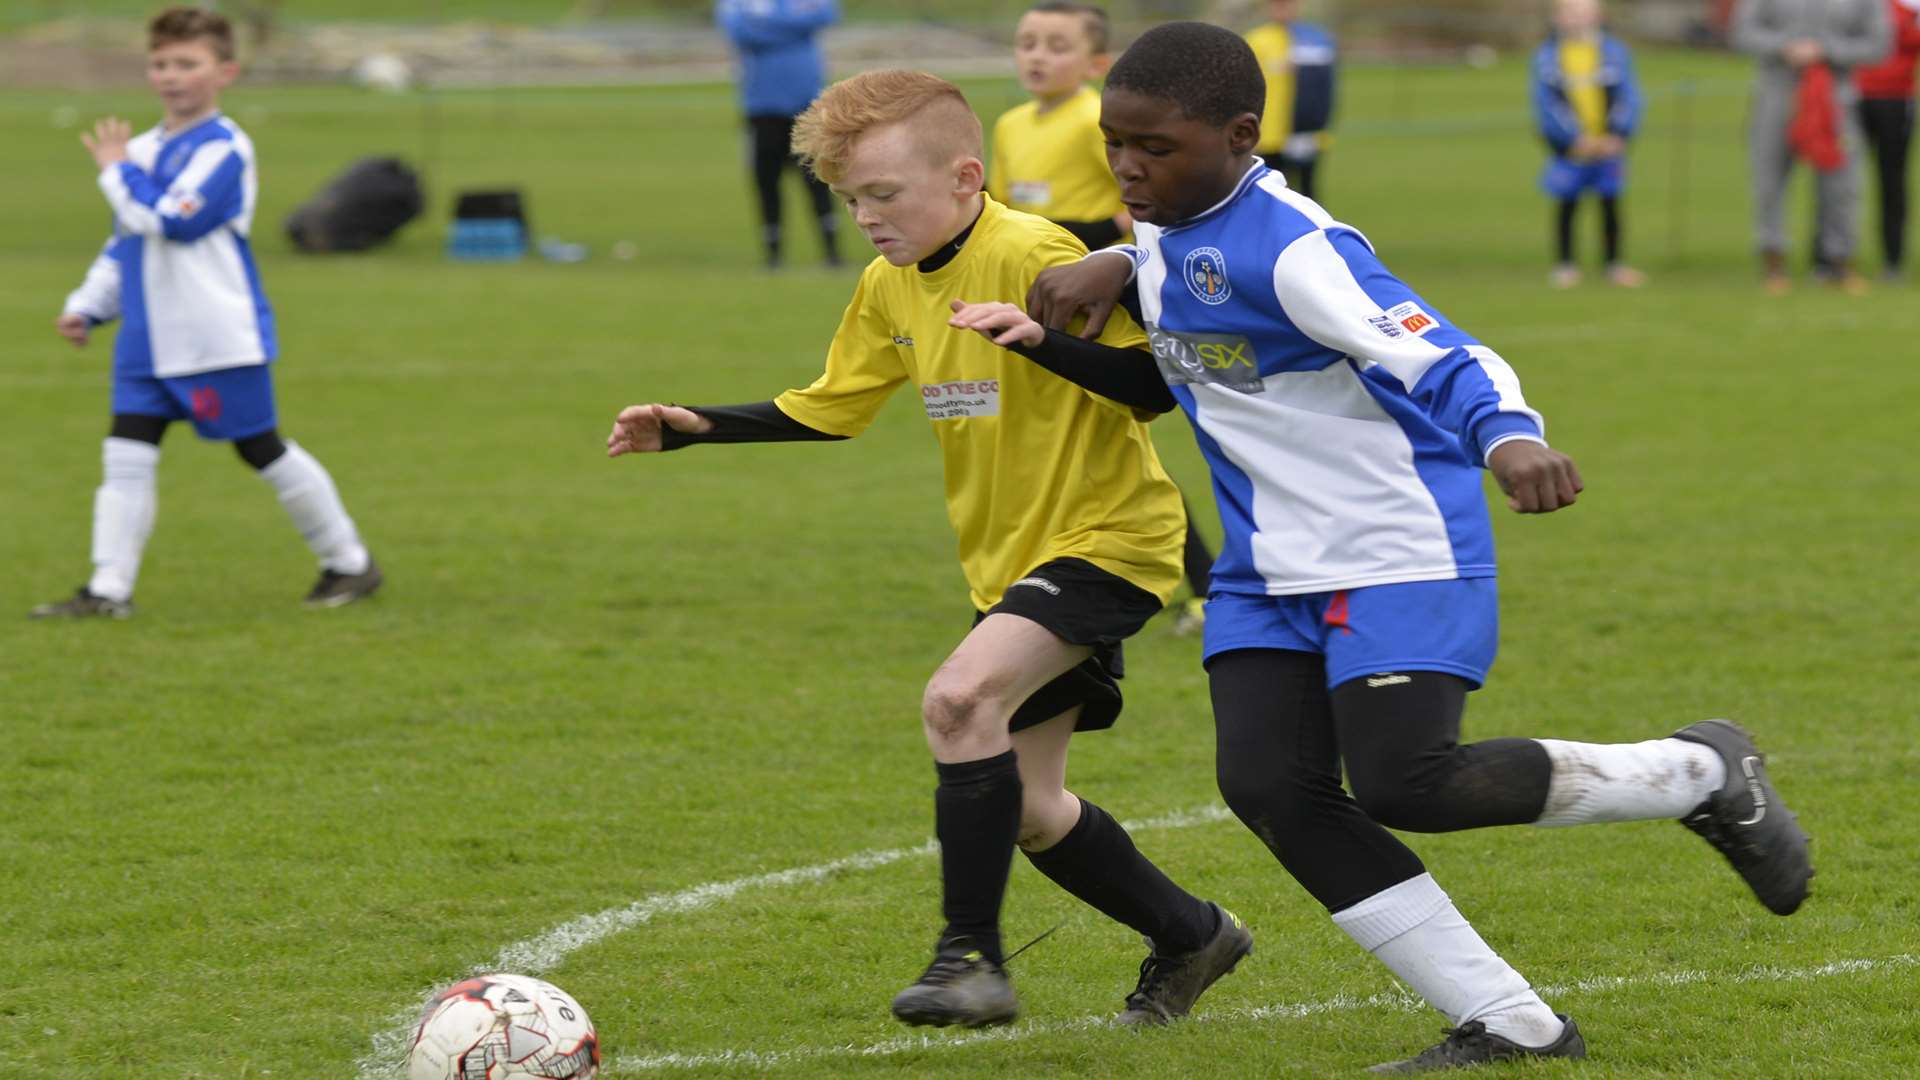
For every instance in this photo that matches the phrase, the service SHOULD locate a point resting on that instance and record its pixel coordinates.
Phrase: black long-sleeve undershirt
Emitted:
(759, 421)
(1128, 376)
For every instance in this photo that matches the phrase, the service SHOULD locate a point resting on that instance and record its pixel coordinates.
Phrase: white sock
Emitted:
(1659, 778)
(314, 504)
(123, 509)
(1416, 931)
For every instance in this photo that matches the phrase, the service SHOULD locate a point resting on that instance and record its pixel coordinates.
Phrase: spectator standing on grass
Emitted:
(196, 336)
(1803, 107)
(1297, 58)
(1587, 104)
(1886, 116)
(781, 72)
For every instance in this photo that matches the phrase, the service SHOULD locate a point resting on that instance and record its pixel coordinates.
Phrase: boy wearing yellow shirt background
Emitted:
(1050, 159)
(1298, 60)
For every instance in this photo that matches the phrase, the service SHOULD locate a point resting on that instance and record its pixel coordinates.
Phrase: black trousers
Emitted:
(1283, 736)
(772, 153)
(1888, 124)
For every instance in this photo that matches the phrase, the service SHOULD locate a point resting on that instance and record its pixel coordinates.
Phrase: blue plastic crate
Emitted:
(487, 239)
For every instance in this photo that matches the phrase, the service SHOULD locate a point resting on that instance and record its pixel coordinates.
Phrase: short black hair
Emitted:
(1206, 70)
(1092, 16)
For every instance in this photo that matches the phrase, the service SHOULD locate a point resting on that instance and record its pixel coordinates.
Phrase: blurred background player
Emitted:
(1050, 159)
(1068, 528)
(1587, 104)
(1803, 106)
(197, 333)
(1298, 60)
(781, 72)
(1355, 603)
(1886, 118)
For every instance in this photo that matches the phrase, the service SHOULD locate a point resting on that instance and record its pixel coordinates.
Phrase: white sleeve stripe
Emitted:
(98, 296)
(1506, 383)
(133, 216)
(1317, 290)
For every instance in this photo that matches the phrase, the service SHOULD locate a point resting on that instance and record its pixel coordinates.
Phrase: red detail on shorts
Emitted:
(1337, 612)
(206, 403)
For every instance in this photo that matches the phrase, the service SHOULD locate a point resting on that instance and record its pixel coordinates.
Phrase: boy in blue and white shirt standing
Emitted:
(1586, 104)
(197, 332)
(1346, 422)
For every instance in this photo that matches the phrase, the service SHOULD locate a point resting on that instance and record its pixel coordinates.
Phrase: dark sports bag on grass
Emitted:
(358, 209)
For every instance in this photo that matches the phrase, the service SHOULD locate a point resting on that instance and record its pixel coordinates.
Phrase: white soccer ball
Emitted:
(383, 71)
(497, 1027)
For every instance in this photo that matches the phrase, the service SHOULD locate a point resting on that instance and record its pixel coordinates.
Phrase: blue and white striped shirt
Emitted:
(1344, 419)
(178, 269)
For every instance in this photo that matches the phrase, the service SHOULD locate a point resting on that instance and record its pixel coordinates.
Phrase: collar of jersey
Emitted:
(988, 210)
(1254, 172)
(160, 129)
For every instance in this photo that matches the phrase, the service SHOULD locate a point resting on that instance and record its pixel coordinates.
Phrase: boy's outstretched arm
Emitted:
(645, 429)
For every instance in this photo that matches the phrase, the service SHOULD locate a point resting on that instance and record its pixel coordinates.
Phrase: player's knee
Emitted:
(1396, 805)
(260, 451)
(954, 709)
(1274, 807)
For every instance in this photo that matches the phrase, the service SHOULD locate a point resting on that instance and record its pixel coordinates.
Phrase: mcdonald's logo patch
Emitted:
(1412, 319)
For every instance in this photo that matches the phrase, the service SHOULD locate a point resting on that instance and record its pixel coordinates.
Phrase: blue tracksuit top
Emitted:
(781, 71)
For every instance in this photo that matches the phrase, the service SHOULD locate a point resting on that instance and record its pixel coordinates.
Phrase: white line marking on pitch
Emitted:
(545, 951)
(1401, 1001)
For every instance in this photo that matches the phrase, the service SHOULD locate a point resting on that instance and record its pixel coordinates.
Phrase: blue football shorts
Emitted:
(1565, 179)
(225, 405)
(1451, 626)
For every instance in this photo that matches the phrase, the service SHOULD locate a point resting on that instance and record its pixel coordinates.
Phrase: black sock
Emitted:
(1563, 229)
(1610, 229)
(1097, 862)
(976, 815)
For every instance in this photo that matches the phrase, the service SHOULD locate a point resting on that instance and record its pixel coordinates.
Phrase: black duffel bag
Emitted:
(359, 209)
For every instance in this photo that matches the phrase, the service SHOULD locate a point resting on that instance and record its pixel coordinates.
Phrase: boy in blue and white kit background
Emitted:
(197, 332)
(1346, 421)
(1586, 104)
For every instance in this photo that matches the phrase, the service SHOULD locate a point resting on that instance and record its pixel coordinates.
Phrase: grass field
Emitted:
(243, 838)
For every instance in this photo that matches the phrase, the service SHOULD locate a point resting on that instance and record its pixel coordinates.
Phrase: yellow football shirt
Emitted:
(1272, 45)
(1036, 467)
(1054, 163)
(1580, 66)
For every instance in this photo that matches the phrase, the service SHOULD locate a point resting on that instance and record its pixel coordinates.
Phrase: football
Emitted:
(497, 1027)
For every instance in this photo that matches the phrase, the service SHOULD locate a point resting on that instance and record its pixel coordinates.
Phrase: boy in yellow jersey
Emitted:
(1050, 159)
(1069, 536)
(1048, 156)
(1587, 104)
(1298, 60)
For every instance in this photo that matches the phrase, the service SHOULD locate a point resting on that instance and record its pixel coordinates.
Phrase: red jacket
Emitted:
(1814, 131)
(1893, 77)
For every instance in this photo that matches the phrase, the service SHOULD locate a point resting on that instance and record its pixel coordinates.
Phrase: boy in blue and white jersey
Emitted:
(1346, 422)
(1586, 104)
(197, 332)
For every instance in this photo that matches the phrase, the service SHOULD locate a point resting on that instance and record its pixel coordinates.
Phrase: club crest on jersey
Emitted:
(1413, 320)
(1206, 273)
